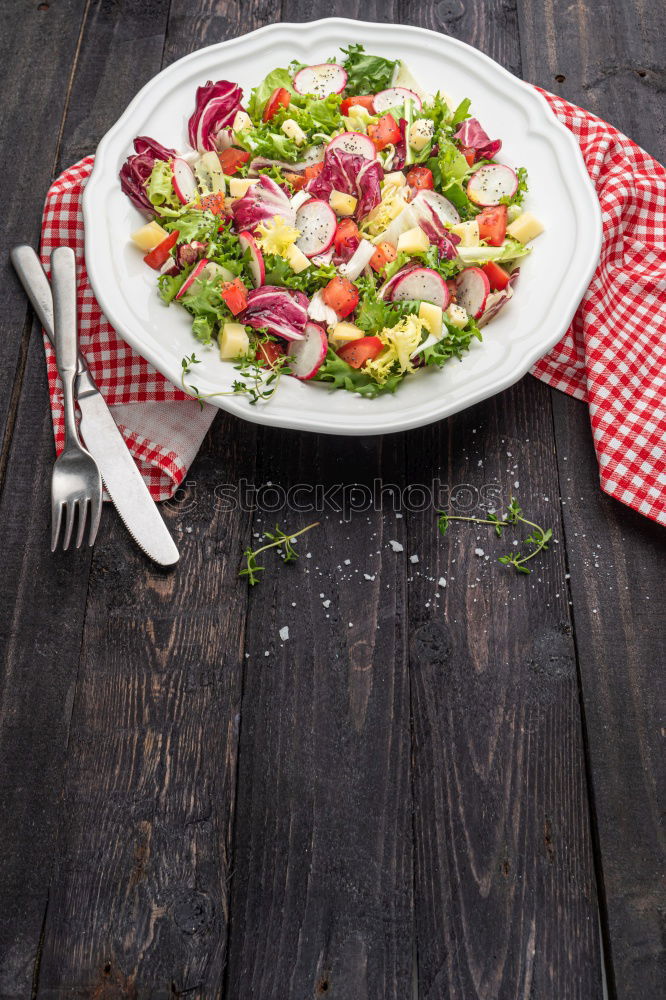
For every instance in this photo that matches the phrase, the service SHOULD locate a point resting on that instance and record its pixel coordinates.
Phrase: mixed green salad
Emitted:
(340, 225)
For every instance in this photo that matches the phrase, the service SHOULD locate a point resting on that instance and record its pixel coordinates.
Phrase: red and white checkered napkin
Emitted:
(613, 356)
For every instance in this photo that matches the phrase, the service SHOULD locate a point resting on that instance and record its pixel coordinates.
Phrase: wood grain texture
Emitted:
(322, 886)
(612, 61)
(30, 124)
(505, 887)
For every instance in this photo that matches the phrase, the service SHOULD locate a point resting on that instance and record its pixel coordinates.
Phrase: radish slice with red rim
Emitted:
(184, 181)
(488, 185)
(317, 223)
(421, 284)
(472, 290)
(321, 80)
(257, 267)
(393, 98)
(355, 143)
(307, 356)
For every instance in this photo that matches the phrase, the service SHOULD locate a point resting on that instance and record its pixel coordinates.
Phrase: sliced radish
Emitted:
(495, 302)
(209, 174)
(320, 312)
(355, 143)
(385, 290)
(317, 224)
(307, 356)
(299, 199)
(321, 80)
(393, 98)
(358, 260)
(205, 270)
(472, 290)
(441, 206)
(257, 268)
(488, 185)
(184, 181)
(322, 259)
(422, 284)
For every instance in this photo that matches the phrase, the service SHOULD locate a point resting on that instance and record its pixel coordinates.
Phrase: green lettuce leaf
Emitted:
(336, 372)
(374, 314)
(453, 344)
(509, 251)
(159, 189)
(260, 95)
(280, 272)
(366, 74)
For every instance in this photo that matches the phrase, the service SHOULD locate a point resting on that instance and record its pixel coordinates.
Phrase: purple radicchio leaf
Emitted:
(471, 135)
(216, 107)
(136, 171)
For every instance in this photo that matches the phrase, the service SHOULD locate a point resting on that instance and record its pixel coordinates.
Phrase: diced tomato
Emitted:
(496, 275)
(297, 181)
(232, 159)
(346, 238)
(492, 225)
(234, 294)
(268, 352)
(341, 295)
(469, 154)
(366, 101)
(382, 256)
(420, 178)
(280, 98)
(357, 352)
(159, 254)
(453, 290)
(213, 203)
(384, 132)
(311, 172)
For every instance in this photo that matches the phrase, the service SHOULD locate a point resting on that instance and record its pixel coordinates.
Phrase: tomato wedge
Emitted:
(346, 238)
(382, 256)
(280, 98)
(497, 277)
(232, 159)
(384, 132)
(213, 203)
(297, 181)
(366, 101)
(311, 172)
(341, 295)
(420, 178)
(234, 294)
(357, 352)
(492, 225)
(469, 154)
(268, 352)
(159, 254)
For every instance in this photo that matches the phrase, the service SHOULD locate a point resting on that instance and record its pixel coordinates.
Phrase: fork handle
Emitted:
(63, 284)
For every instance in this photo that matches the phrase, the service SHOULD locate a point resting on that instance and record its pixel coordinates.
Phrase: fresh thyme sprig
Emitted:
(262, 380)
(282, 540)
(538, 538)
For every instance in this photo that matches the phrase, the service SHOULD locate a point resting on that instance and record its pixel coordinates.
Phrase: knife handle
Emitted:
(31, 275)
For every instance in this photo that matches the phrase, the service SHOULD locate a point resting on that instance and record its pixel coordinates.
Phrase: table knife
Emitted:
(122, 479)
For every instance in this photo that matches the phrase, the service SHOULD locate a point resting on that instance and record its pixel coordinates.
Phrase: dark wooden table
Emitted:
(451, 797)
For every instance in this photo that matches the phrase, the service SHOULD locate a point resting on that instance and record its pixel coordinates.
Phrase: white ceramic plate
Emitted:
(552, 279)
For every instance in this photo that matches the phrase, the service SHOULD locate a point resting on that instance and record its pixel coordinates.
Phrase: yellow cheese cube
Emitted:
(342, 204)
(297, 259)
(396, 179)
(432, 317)
(242, 121)
(149, 236)
(456, 316)
(413, 241)
(468, 233)
(420, 133)
(526, 227)
(238, 186)
(233, 341)
(344, 333)
(294, 131)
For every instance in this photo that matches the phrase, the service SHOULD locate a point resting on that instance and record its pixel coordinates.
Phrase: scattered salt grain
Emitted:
(367, 576)
(284, 633)
(396, 546)
(414, 559)
(326, 604)
(347, 562)
(441, 582)
(479, 552)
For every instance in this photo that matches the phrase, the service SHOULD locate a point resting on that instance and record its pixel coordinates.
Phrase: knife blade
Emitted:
(123, 481)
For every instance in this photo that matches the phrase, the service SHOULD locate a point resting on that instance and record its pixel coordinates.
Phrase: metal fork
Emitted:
(76, 485)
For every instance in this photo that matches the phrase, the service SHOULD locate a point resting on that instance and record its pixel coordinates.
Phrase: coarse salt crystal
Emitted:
(441, 582)
(479, 552)
(284, 633)
(396, 546)
(414, 559)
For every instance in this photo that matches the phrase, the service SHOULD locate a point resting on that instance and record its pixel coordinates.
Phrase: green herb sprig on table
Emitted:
(282, 540)
(538, 538)
(262, 379)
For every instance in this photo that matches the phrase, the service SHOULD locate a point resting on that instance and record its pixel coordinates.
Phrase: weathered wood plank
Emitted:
(322, 886)
(505, 887)
(611, 60)
(138, 901)
(32, 108)
(504, 881)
